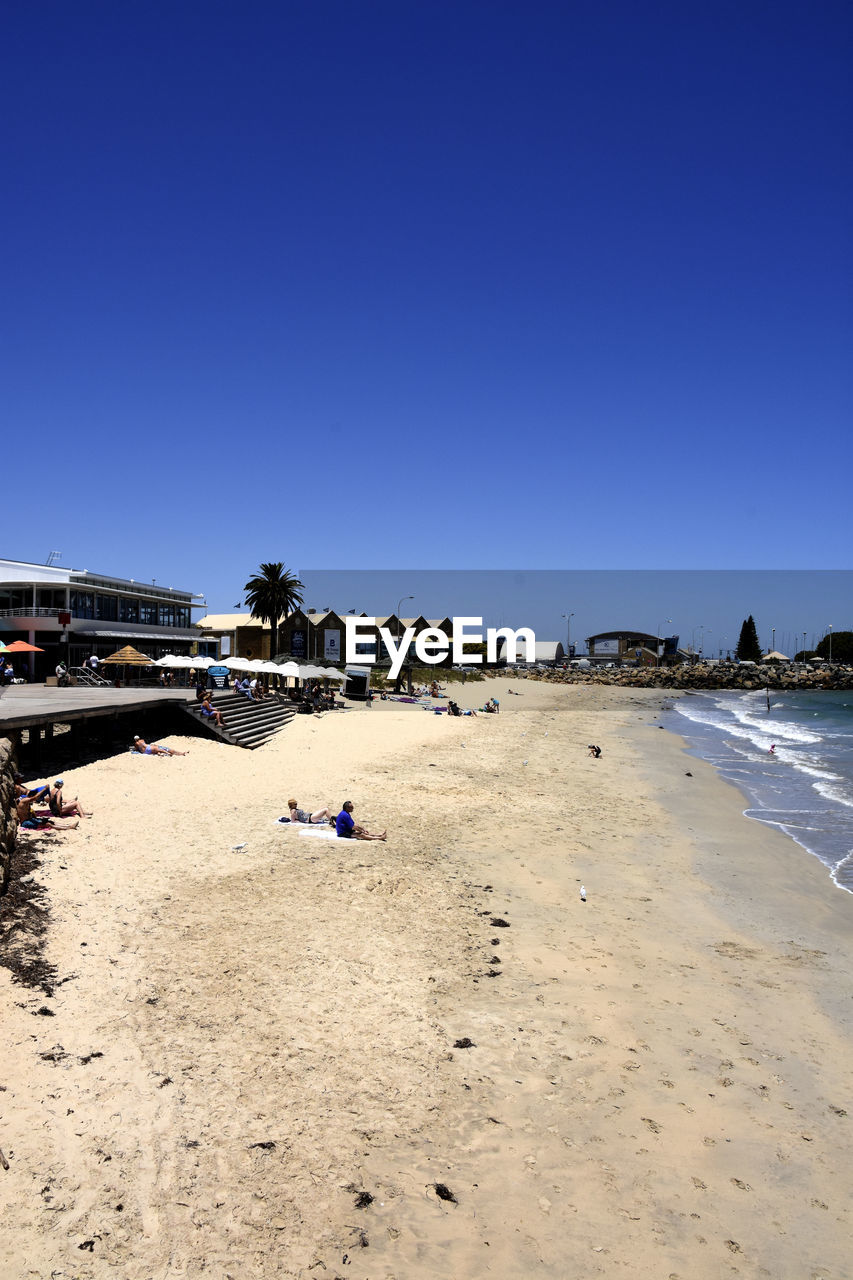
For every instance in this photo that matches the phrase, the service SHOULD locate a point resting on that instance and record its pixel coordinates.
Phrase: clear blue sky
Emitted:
(425, 284)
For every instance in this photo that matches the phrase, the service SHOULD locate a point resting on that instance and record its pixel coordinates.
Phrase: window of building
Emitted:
(167, 615)
(148, 613)
(83, 604)
(128, 610)
(183, 616)
(107, 608)
(20, 601)
(50, 598)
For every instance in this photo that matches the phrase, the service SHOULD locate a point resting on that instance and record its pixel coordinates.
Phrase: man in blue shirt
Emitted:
(346, 826)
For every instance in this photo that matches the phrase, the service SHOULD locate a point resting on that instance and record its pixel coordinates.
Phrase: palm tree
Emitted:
(271, 593)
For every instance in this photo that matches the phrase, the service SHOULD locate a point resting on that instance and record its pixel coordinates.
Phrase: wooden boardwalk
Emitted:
(35, 707)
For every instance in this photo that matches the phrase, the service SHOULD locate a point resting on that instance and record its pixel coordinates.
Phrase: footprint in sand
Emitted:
(651, 1124)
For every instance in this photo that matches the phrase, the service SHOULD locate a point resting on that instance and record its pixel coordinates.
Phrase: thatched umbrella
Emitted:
(129, 656)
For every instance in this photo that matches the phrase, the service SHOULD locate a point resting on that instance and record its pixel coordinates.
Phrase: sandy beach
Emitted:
(248, 1065)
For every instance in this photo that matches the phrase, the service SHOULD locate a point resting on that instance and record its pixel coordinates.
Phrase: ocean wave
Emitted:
(830, 792)
(803, 788)
(842, 872)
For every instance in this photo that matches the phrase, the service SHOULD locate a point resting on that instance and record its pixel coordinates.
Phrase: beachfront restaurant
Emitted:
(71, 614)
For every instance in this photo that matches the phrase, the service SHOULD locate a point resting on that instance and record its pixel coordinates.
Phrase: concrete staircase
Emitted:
(245, 724)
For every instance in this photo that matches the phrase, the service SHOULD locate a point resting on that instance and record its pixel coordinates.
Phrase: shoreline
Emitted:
(656, 1078)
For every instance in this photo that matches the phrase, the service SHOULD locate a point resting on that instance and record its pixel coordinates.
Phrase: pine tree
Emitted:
(748, 649)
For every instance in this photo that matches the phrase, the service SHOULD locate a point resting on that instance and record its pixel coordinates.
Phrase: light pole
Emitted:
(804, 646)
(772, 639)
(702, 641)
(568, 617)
(399, 607)
(666, 621)
(698, 627)
(830, 644)
(399, 621)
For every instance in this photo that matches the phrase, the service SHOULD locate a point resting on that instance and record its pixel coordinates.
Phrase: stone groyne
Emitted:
(702, 676)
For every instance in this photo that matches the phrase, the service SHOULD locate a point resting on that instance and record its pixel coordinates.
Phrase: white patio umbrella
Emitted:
(268, 666)
(236, 664)
(288, 669)
(331, 674)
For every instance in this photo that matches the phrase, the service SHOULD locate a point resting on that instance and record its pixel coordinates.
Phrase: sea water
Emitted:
(804, 786)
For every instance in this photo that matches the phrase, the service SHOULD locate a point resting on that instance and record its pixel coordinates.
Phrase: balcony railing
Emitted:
(27, 611)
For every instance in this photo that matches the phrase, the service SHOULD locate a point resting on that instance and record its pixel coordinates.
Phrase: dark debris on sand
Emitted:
(24, 920)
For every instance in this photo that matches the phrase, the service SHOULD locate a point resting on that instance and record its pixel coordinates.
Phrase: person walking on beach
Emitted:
(348, 828)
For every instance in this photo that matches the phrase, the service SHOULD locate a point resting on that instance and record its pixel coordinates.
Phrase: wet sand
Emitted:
(246, 1045)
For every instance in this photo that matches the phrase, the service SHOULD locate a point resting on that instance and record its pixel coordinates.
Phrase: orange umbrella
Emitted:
(21, 646)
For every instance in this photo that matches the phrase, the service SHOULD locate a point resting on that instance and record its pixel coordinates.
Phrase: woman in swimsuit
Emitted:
(140, 745)
(302, 815)
(61, 808)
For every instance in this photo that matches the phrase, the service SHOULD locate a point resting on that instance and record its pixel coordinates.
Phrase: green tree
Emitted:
(748, 649)
(272, 593)
(842, 647)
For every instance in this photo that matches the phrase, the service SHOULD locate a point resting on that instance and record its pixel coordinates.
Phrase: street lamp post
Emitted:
(772, 639)
(666, 621)
(400, 623)
(804, 646)
(698, 627)
(568, 617)
(830, 644)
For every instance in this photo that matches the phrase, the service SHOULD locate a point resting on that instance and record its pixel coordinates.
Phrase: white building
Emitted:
(73, 613)
(548, 653)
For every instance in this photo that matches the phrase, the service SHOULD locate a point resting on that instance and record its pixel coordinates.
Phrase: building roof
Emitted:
(21, 571)
(227, 621)
(633, 632)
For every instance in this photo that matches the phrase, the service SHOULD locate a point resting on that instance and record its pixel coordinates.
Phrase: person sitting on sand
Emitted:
(23, 792)
(348, 828)
(210, 713)
(146, 749)
(39, 822)
(62, 808)
(303, 815)
(594, 751)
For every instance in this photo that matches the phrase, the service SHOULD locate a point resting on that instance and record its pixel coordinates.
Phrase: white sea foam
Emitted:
(804, 787)
(837, 793)
(842, 873)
